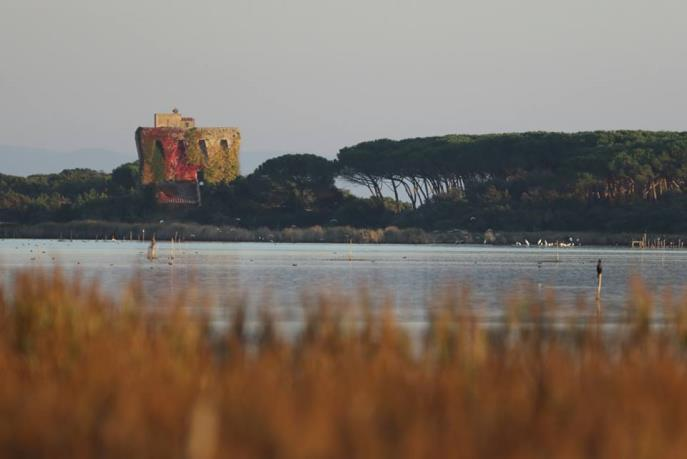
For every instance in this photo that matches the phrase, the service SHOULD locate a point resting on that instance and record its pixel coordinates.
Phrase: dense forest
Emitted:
(601, 181)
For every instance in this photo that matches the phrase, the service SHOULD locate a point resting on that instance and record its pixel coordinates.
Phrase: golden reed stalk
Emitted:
(83, 376)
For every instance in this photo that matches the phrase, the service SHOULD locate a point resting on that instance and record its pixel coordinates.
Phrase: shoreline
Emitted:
(99, 230)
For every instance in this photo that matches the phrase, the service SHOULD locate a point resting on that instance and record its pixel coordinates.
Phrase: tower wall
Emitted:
(173, 154)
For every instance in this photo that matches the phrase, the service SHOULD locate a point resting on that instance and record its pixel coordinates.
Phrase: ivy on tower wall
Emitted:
(177, 155)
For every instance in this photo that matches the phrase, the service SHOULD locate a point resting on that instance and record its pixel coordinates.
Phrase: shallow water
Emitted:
(410, 277)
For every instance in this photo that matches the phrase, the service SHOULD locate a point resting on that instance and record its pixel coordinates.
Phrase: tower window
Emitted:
(181, 147)
(203, 148)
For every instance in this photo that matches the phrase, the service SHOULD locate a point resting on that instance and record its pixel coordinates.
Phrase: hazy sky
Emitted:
(317, 75)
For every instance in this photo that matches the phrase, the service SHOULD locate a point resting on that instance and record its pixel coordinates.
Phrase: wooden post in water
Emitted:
(599, 276)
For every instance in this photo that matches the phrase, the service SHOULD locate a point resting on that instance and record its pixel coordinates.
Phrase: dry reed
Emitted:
(83, 376)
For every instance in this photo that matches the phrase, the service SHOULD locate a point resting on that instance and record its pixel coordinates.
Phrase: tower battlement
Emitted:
(173, 119)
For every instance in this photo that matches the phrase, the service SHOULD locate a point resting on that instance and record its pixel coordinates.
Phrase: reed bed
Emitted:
(187, 231)
(83, 376)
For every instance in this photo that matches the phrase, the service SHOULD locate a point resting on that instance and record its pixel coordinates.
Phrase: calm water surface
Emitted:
(411, 277)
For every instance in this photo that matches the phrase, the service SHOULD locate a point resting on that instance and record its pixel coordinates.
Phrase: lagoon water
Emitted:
(410, 277)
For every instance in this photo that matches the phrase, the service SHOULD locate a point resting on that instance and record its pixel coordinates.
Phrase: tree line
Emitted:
(604, 181)
(613, 166)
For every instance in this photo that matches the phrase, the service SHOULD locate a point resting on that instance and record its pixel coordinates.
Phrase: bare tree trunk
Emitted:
(410, 192)
(419, 190)
(395, 187)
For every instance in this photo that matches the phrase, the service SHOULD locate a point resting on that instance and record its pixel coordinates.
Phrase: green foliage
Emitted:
(534, 180)
(593, 181)
(125, 177)
(158, 163)
(71, 194)
(295, 181)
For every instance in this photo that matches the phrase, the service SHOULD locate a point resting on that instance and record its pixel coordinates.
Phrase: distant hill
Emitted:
(23, 161)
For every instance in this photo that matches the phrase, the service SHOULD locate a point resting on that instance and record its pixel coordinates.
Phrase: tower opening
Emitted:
(203, 149)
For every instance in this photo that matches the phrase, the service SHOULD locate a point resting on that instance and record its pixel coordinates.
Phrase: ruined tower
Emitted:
(176, 157)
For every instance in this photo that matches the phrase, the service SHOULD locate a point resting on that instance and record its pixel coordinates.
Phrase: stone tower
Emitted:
(176, 157)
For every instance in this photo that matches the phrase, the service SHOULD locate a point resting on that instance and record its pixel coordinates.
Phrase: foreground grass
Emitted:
(82, 376)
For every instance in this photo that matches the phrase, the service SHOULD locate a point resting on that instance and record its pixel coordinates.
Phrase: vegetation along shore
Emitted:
(605, 182)
(188, 232)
